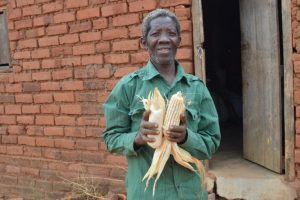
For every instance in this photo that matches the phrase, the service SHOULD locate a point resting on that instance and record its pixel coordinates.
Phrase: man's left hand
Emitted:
(177, 134)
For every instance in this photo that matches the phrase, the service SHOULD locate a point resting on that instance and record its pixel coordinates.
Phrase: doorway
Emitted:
(221, 21)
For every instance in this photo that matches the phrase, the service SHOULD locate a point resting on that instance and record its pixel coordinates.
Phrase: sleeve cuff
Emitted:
(129, 144)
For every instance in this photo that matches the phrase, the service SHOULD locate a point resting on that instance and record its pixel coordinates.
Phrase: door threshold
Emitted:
(237, 178)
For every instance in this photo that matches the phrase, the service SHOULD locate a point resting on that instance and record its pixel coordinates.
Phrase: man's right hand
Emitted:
(146, 128)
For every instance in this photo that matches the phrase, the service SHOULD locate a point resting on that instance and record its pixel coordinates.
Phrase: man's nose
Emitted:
(164, 38)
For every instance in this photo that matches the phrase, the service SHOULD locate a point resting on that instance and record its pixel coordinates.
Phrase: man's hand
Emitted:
(146, 128)
(177, 133)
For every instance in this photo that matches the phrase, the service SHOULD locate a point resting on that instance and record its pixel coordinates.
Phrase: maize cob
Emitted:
(162, 152)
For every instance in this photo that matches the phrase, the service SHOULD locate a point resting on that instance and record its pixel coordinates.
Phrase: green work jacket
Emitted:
(123, 112)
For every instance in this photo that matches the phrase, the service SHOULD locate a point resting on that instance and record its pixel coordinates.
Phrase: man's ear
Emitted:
(144, 43)
(179, 41)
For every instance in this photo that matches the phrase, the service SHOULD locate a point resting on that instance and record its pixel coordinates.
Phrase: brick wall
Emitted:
(67, 55)
(296, 63)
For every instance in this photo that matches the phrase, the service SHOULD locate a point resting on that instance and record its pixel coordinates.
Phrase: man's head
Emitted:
(155, 14)
(161, 36)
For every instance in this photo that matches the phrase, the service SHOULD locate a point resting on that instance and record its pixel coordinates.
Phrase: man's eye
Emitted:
(172, 34)
(155, 34)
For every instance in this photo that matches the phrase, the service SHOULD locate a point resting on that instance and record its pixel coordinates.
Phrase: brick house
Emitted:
(59, 59)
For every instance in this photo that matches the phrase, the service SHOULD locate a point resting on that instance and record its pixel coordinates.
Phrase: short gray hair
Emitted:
(155, 14)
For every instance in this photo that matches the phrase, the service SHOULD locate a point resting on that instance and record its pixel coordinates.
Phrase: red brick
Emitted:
(100, 23)
(140, 57)
(31, 152)
(23, 98)
(41, 53)
(21, 3)
(75, 132)
(124, 20)
(1, 112)
(15, 130)
(184, 54)
(41, 76)
(116, 58)
(64, 97)
(114, 9)
(43, 20)
(116, 33)
(126, 45)
(185, 25)
(53, 7)
(87, 121)
(86, 97)
(25, 119)
(94, 84)
(88, 13)
(137, 6)
(64, 17)
(102, 97)
(9, 139)
(24, 23)
(76, 3)
(7, 119)
(34, 130)
(51, 63)
(43, 98)
(80, 27)
(110, 84)
(44, 142)
(13, 88)
(116, 160)
(12, 169)
(169, 3)
(87, 60)
(31, 65)
(64, 143)
(297, 141)
(72, 85)
(22, 77)
(22, 55)
(7, 98)
(31, 87)
(124, 71)
(54, 131)
(135, 31)
(297, 155)
(33, 33)
(91, 109)
(48, 41)
(65, 120)
(15, 13)
(91, 145)
(26, 140)
(62, 74)
(69, 39)
(188, 67)
(13, 109)
(297, 97)
(44, 120)
(103, 47)
(50, 86)
(3, 149)
(14, 150)
(71, 61)
(15, 35)
(93, 132)
(61, 51)
(186, 39)
(30, 43)
(32, 10)
(57, 29)
(31, 171)
(71, 109)
(30, 109)
(50, 109)
(84, 49)
(90, 36)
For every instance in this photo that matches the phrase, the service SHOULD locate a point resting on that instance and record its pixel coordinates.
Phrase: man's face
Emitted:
(162, 41)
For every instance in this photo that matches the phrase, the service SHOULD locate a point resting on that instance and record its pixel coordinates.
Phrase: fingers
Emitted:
(146, 115)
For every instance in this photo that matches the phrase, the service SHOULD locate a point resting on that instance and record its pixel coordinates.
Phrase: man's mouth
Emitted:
(164, 50)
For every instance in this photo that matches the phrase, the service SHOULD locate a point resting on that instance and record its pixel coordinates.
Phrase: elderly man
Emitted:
(127, 126)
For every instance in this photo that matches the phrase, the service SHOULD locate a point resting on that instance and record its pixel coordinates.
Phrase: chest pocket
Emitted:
(193, 119)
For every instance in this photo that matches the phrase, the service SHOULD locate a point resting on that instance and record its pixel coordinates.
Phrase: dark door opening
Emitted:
(222, 45)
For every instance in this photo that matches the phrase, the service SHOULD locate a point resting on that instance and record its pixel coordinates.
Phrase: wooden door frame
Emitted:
(288, 97)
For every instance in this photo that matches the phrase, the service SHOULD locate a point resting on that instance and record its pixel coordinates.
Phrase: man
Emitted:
(127, 127)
